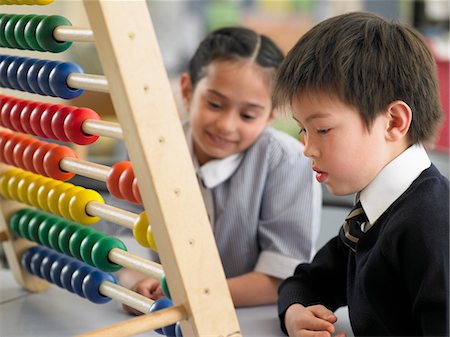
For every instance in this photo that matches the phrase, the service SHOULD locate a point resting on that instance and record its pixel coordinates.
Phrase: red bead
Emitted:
(57, 122)
(19, 150)
(38, 157)
(73, 126)
(46, 120)
(14, 116)
(4, 138)
(35, 119)
(136, 192)
(52, 159)
(28, 155)
(6, 110)
(125, 184)
(9, 148)
(112, 179)
(25, 117)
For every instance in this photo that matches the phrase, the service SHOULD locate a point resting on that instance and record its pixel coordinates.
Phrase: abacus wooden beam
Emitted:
(141, 94)
(145, 107)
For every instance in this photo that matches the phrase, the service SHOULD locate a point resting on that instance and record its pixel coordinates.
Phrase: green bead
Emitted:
(87, 244)
(100, 252)
(65, 235)
(30, 33)
(76, 239)
(44, 34)
(33, 226)
(53, 234)
(164, 286)
(9, 31)
(19, 30)
(24, 223)
(44, 229)
(15, 220)
(3, 21)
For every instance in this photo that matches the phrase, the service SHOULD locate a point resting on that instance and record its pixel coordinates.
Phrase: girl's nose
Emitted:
(227, 122)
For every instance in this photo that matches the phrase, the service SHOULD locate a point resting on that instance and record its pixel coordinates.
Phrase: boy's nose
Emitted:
(310, 150)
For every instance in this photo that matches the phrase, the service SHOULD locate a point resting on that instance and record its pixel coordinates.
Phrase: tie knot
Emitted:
(351, 230)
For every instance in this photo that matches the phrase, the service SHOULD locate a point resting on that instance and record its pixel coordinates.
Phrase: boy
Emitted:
(365, 95)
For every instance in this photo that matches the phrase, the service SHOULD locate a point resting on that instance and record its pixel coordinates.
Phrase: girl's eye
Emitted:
(214, 105)
(247, 117)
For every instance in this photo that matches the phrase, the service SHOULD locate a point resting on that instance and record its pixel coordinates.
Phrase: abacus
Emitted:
(44, 224)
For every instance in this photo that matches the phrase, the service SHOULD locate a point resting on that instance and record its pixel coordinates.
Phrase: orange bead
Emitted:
(52, 161)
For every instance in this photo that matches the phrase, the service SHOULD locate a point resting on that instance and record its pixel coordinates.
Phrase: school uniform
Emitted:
(396, 283)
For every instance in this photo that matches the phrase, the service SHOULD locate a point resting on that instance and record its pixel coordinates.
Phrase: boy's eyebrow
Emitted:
(317, 115)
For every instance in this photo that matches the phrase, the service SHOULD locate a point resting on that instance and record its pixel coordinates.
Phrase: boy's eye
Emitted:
(323, 131)
(302, 131)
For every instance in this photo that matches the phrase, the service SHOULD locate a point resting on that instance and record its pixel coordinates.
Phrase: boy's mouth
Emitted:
(320, 175)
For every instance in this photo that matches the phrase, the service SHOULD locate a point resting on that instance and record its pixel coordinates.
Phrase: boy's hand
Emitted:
(312, 321)
(148, 287)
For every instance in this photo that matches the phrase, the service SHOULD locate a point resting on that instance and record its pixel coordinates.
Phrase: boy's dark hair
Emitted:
(234, 43)
(367, 63)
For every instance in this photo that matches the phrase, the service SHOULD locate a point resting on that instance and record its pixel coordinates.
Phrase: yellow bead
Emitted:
(64, 199)
(151, 239)
(4, 180)
(53, 197)
(42, 2)
(13, 183)
(140, 230)
(78, 204)
(22, 187)
(43, 192)
(33, 189)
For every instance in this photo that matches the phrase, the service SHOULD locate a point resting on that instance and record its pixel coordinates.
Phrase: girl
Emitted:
(258, 188)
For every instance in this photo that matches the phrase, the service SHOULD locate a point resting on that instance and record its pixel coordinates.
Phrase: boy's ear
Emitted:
(399, 117)
(186, 89)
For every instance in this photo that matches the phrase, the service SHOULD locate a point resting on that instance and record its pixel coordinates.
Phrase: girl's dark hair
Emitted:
(234, 43)
(367, 63)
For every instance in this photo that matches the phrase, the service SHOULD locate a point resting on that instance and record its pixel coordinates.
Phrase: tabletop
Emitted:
(57, 312)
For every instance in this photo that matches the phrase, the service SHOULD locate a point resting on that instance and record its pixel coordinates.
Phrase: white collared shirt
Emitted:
(392, 181)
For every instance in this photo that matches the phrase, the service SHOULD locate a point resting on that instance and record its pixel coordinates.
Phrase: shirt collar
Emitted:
(393, 180)
(216, 171)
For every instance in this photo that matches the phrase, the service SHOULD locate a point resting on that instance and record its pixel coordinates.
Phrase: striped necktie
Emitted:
(351, 232)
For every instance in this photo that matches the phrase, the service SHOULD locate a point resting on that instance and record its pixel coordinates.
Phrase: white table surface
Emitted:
(57, 312)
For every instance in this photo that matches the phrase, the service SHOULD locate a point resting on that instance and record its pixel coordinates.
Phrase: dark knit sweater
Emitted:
(397, 282)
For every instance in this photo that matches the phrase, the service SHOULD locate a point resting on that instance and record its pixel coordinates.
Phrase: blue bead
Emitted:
(11, 72)
(43, 77)
(67, 274)
(4, 64)
(55, 270)
(27, 256)
(78, 278)
(178, 332)
(46, 265)
(36, 261)
(91, 286)
(160, 304)
(32, 76)
(22, 73)
(58, 80)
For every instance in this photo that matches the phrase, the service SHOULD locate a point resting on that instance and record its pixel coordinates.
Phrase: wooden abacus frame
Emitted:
(144, 105)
